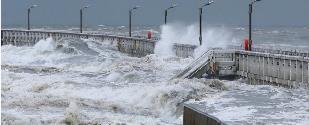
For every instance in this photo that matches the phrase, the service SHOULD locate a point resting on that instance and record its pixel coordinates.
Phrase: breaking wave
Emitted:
(78, 81)
(213, 37)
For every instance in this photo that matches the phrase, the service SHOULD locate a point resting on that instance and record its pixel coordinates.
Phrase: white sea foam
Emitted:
(183, 34)
(109, 87)
(97, 84)
(45, 45)
(258, 104)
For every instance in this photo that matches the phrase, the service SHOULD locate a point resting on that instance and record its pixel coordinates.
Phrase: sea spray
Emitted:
(45, 45)
(188, 34)
(43, 52)
(174, 33)
(219, 37)
(142, 91)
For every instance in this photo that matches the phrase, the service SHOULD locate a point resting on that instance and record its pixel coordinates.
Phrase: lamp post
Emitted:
(29, 9)
(165, 18)
(81, 18)
(130, 19)
(201, 13)
(250, 23)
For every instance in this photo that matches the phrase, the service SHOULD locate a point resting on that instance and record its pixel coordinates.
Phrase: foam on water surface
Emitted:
(93, 84)
(85, 81)
(263, 104)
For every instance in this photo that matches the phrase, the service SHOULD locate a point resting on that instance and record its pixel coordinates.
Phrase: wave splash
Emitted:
(188, 34)
(80, 81)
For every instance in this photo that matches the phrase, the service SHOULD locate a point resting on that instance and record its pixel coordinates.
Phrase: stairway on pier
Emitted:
(197, 67)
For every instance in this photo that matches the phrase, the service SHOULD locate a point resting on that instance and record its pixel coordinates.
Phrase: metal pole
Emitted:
(165, 19)
(200, 38)
(130, 18)
(81, 21)
(250, 25)
(28, 18)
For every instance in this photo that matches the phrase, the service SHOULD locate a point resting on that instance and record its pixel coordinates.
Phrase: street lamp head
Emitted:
(136, 7)
(173, 6)
(255, 1)
(33, 6)
(209, 2)
(84, 7)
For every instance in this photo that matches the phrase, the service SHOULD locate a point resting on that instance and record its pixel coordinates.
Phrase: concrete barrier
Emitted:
(265, 68)
(133, 46)
(184, 50)
(194, 116)
(256, 67)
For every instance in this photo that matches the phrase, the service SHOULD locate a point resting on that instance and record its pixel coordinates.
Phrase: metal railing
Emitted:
(282, 51)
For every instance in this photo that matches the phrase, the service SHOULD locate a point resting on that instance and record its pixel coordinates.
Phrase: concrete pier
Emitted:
(134, 46)
(278, 69)
(194, 116)
(288, 69)
(259, 66)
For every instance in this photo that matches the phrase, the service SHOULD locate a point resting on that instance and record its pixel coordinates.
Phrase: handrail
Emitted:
(283, 51)
(190, 66)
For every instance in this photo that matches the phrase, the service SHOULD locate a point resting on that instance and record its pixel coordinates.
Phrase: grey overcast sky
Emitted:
(115, 12)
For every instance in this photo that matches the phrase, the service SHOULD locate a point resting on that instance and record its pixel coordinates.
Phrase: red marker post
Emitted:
(246, 44)
(149, 35)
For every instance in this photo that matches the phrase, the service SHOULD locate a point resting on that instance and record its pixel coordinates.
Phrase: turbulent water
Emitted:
(89, 82)
(246, 104)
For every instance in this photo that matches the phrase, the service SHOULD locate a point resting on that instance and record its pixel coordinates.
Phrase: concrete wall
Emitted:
(265, 68)
(193, 116)
(256, 67)
(131, 45)
(184, 50)
(134, 46)
(224, 61)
